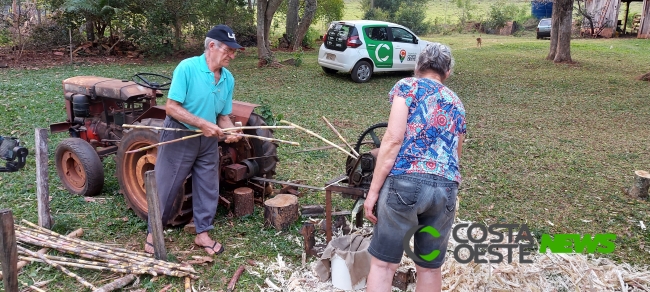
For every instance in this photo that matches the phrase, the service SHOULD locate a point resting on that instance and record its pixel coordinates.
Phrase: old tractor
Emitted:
(96, 109)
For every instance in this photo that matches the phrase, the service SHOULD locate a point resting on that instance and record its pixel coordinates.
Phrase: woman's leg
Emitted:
(428, 279)
(380, 278)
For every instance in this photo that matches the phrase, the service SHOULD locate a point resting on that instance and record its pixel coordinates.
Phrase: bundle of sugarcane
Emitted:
(96, 256)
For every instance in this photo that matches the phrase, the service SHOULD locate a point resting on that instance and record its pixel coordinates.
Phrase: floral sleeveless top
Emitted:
(436, 118)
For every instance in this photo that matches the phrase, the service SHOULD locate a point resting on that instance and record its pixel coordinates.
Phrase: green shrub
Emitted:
(413, 17)
(50, 34)
(309, 41)
(502, 12)
(5, 38)
(377, 14)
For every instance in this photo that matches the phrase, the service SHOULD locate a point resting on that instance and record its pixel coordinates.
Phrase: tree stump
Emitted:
(281, 211)
(244, 201)
(641, 184)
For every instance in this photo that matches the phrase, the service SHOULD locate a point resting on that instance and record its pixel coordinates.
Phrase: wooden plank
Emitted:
(42, 181)
(155, 216)
(8, 251)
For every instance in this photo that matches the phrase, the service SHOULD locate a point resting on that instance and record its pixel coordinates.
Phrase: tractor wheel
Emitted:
(264, 149)
(131, 169)
(79, 167)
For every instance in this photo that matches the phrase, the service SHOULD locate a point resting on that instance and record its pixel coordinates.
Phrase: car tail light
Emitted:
(354, 42)
(537, 29)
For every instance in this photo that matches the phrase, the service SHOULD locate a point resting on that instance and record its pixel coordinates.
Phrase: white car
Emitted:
(362, 47)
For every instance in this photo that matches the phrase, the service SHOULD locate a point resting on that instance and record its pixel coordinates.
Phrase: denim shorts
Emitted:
(409, 200)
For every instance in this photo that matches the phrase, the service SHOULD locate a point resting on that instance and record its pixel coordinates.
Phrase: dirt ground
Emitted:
(35, 60)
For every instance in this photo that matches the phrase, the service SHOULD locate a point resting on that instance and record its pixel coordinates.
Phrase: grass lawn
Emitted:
(548, 145)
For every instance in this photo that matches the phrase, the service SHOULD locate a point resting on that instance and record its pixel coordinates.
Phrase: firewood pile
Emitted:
(77, 253)
(103, 47)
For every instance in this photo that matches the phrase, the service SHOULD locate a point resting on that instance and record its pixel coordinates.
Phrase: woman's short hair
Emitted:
(208, 40)
(435, 57)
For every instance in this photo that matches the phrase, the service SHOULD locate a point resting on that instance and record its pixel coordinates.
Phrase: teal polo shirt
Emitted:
(193, 86)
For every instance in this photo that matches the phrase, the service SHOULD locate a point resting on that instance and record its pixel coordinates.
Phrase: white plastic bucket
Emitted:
(341, 275)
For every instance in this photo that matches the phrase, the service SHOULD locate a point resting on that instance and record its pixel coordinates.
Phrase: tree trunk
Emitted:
(305, 22)
(90, 30)
(177, 33)
(560, 49)
(265, 11)
(293, 6)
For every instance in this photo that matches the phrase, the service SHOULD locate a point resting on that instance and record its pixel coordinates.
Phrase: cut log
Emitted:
(244, 201)
(117, 284)
(190, 228)
(235, 277)
(312, 210)
(280, 211)
(640, 185)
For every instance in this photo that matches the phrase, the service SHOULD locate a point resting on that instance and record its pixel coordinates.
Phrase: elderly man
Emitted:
(200, 97)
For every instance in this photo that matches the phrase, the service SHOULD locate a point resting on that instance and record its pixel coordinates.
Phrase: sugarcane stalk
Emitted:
(188, 285)
(164, 143)
(264, 138)
(47, 238)
(90, 267)
(199, 131)
(32, 287)
(160, 266)
(59, 267)
(197, 135)
(340, 137)
(83, 264)
(74, 239)
(318, 136)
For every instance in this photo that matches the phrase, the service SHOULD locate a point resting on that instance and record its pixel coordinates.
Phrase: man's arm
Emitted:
(224, 122)
(175, 110)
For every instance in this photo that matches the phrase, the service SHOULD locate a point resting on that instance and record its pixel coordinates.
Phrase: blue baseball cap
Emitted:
(224, 34)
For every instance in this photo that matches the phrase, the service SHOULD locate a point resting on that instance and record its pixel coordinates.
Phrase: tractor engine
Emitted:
(97, 108)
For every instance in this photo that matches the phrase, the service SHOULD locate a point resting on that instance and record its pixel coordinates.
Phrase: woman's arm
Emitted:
(390, 145)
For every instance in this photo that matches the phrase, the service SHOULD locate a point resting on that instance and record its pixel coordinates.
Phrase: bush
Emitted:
(377, 14)
(5, 37)
(50, 34)
(501, 12)
(413, 17)
(309, 41)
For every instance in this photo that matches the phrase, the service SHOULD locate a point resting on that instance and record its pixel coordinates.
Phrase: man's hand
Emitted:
(211, 130)
(233, 138)
(369, 206)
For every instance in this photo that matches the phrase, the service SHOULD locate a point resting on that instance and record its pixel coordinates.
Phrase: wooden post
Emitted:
(155, 220)
(8, 251)
(640, 185)
(309, 240)
(244, 201)
(281, 211)
(328, 216)
(42, 181)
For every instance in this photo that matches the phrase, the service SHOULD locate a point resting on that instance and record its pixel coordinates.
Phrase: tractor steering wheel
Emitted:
(141, 79)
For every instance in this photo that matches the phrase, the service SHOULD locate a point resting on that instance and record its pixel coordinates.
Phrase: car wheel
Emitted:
(538, 37)
(329, 71)
(362, 72)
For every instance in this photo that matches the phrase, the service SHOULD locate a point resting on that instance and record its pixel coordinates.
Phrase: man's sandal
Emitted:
(148, 244)
(212, 248)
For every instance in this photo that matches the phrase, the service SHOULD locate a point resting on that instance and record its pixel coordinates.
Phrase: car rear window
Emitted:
(338, 34)
(545, 22)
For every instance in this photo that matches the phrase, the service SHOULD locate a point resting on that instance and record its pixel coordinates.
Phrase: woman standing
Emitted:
(416, 177)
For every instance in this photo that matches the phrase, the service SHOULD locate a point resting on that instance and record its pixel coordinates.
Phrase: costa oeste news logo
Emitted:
(508, 237)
